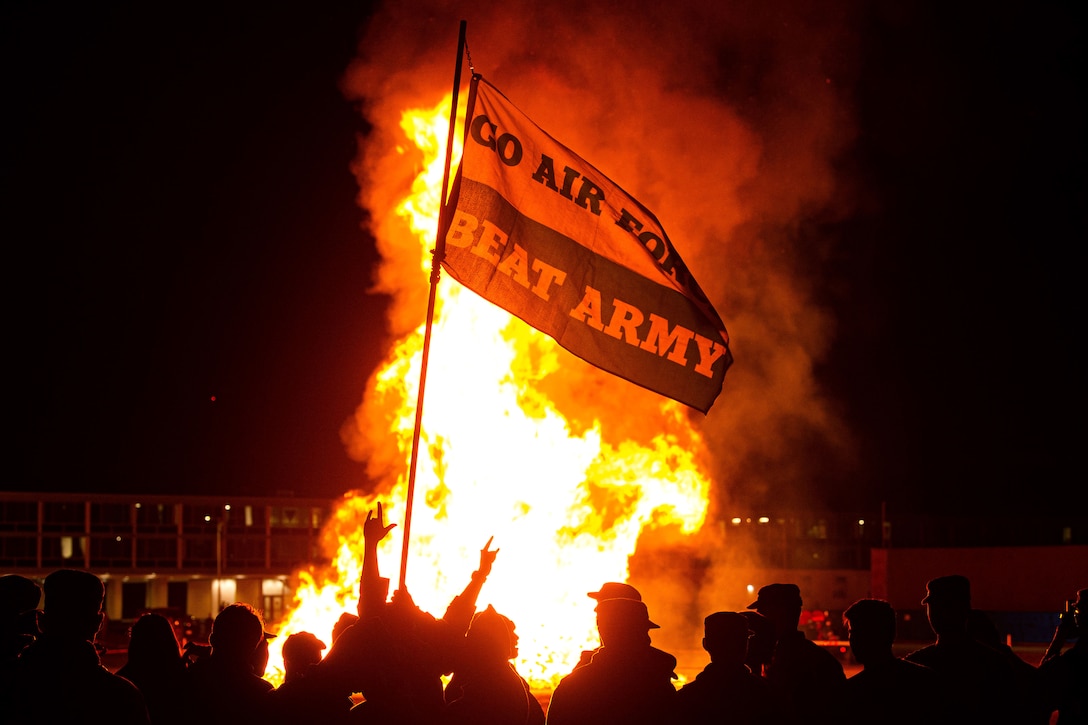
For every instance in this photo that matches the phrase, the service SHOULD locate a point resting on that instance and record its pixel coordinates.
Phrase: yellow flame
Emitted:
(498, 459)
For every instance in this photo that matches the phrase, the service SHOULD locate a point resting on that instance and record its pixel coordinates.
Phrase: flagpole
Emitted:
(436, 265)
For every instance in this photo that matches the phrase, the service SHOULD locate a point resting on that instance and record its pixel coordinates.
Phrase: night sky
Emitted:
(180, 225)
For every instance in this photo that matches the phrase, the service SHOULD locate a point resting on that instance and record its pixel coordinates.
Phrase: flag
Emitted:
(540, 232)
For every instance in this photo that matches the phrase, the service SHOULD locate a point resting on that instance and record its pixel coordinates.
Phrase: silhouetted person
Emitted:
(396, 654)
(982, 629)
(628, 681)
(303, 696)
(222, 687)
(761, 644)
(608, 590)
(156, 666)
(888, 690)
(983, 685)
(806, 679)
(726, 691)
(346, 620)
(1064, 675)
(300, 651)
(485, 688)
(59, 678)
(356, 661)
(19, 599)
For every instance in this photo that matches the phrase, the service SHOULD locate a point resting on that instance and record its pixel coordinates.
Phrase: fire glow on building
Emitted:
(499, 457)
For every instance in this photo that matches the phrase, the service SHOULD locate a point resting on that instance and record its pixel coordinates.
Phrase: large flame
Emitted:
(497, 458)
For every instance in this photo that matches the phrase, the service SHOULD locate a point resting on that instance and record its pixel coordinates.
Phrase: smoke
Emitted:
(726, 119)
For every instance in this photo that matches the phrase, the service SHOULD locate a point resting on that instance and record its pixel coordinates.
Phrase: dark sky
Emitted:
(179, 223)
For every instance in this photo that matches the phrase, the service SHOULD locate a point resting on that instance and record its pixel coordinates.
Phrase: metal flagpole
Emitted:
(436, 265)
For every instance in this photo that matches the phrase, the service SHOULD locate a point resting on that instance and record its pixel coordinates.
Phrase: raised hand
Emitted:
(375, 528)
(487, 558)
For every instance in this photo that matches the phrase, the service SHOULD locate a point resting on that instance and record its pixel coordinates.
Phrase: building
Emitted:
(188, 554)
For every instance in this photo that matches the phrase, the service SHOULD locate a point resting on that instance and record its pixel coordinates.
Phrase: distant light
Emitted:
(118, 538)
(212, 398)
(226, 507)
(736, 521)
(749, 519)
(764, 520)
(750, 588)
(137, 505)
(207, 518)
(861, 522)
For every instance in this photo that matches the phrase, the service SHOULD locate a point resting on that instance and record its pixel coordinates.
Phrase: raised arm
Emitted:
(373, 590)
(1066, 630)
(460, 611)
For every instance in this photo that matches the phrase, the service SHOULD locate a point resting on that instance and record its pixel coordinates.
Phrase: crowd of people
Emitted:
(392, 663)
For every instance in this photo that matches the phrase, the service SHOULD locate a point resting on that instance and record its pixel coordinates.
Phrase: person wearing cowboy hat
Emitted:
(627, 681)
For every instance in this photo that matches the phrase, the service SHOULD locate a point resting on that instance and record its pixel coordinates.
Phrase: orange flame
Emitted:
(497, 458)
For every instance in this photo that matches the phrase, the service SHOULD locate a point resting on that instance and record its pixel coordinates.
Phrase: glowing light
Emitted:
(565, 504)
(861, 522)
(751, 589)
(764, 520)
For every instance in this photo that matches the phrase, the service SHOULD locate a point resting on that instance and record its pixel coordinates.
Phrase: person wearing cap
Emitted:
(806, 679)
(608, 590)
(726, 690)
(59, 677)
(983, 685)
(627, 681)
(1064, 675)
(888, 690)
(222, 687)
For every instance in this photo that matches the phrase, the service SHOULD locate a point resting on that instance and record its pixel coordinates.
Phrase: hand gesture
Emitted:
(374, 528)
(487, 558)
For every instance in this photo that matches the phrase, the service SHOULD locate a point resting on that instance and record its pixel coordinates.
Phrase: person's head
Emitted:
(346, 620)
(514, 639)
(236, 633)
(871, 627)
(761, 645)
(73, 604)
(490, 637)
(300, 650)
(725, 637)
(615, 590)
(19, 599)
(780, 603)
(153, 640)
(948, 604)
(17, 595)
(623, 623)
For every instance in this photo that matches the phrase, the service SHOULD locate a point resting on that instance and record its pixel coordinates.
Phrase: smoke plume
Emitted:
(725, 118)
